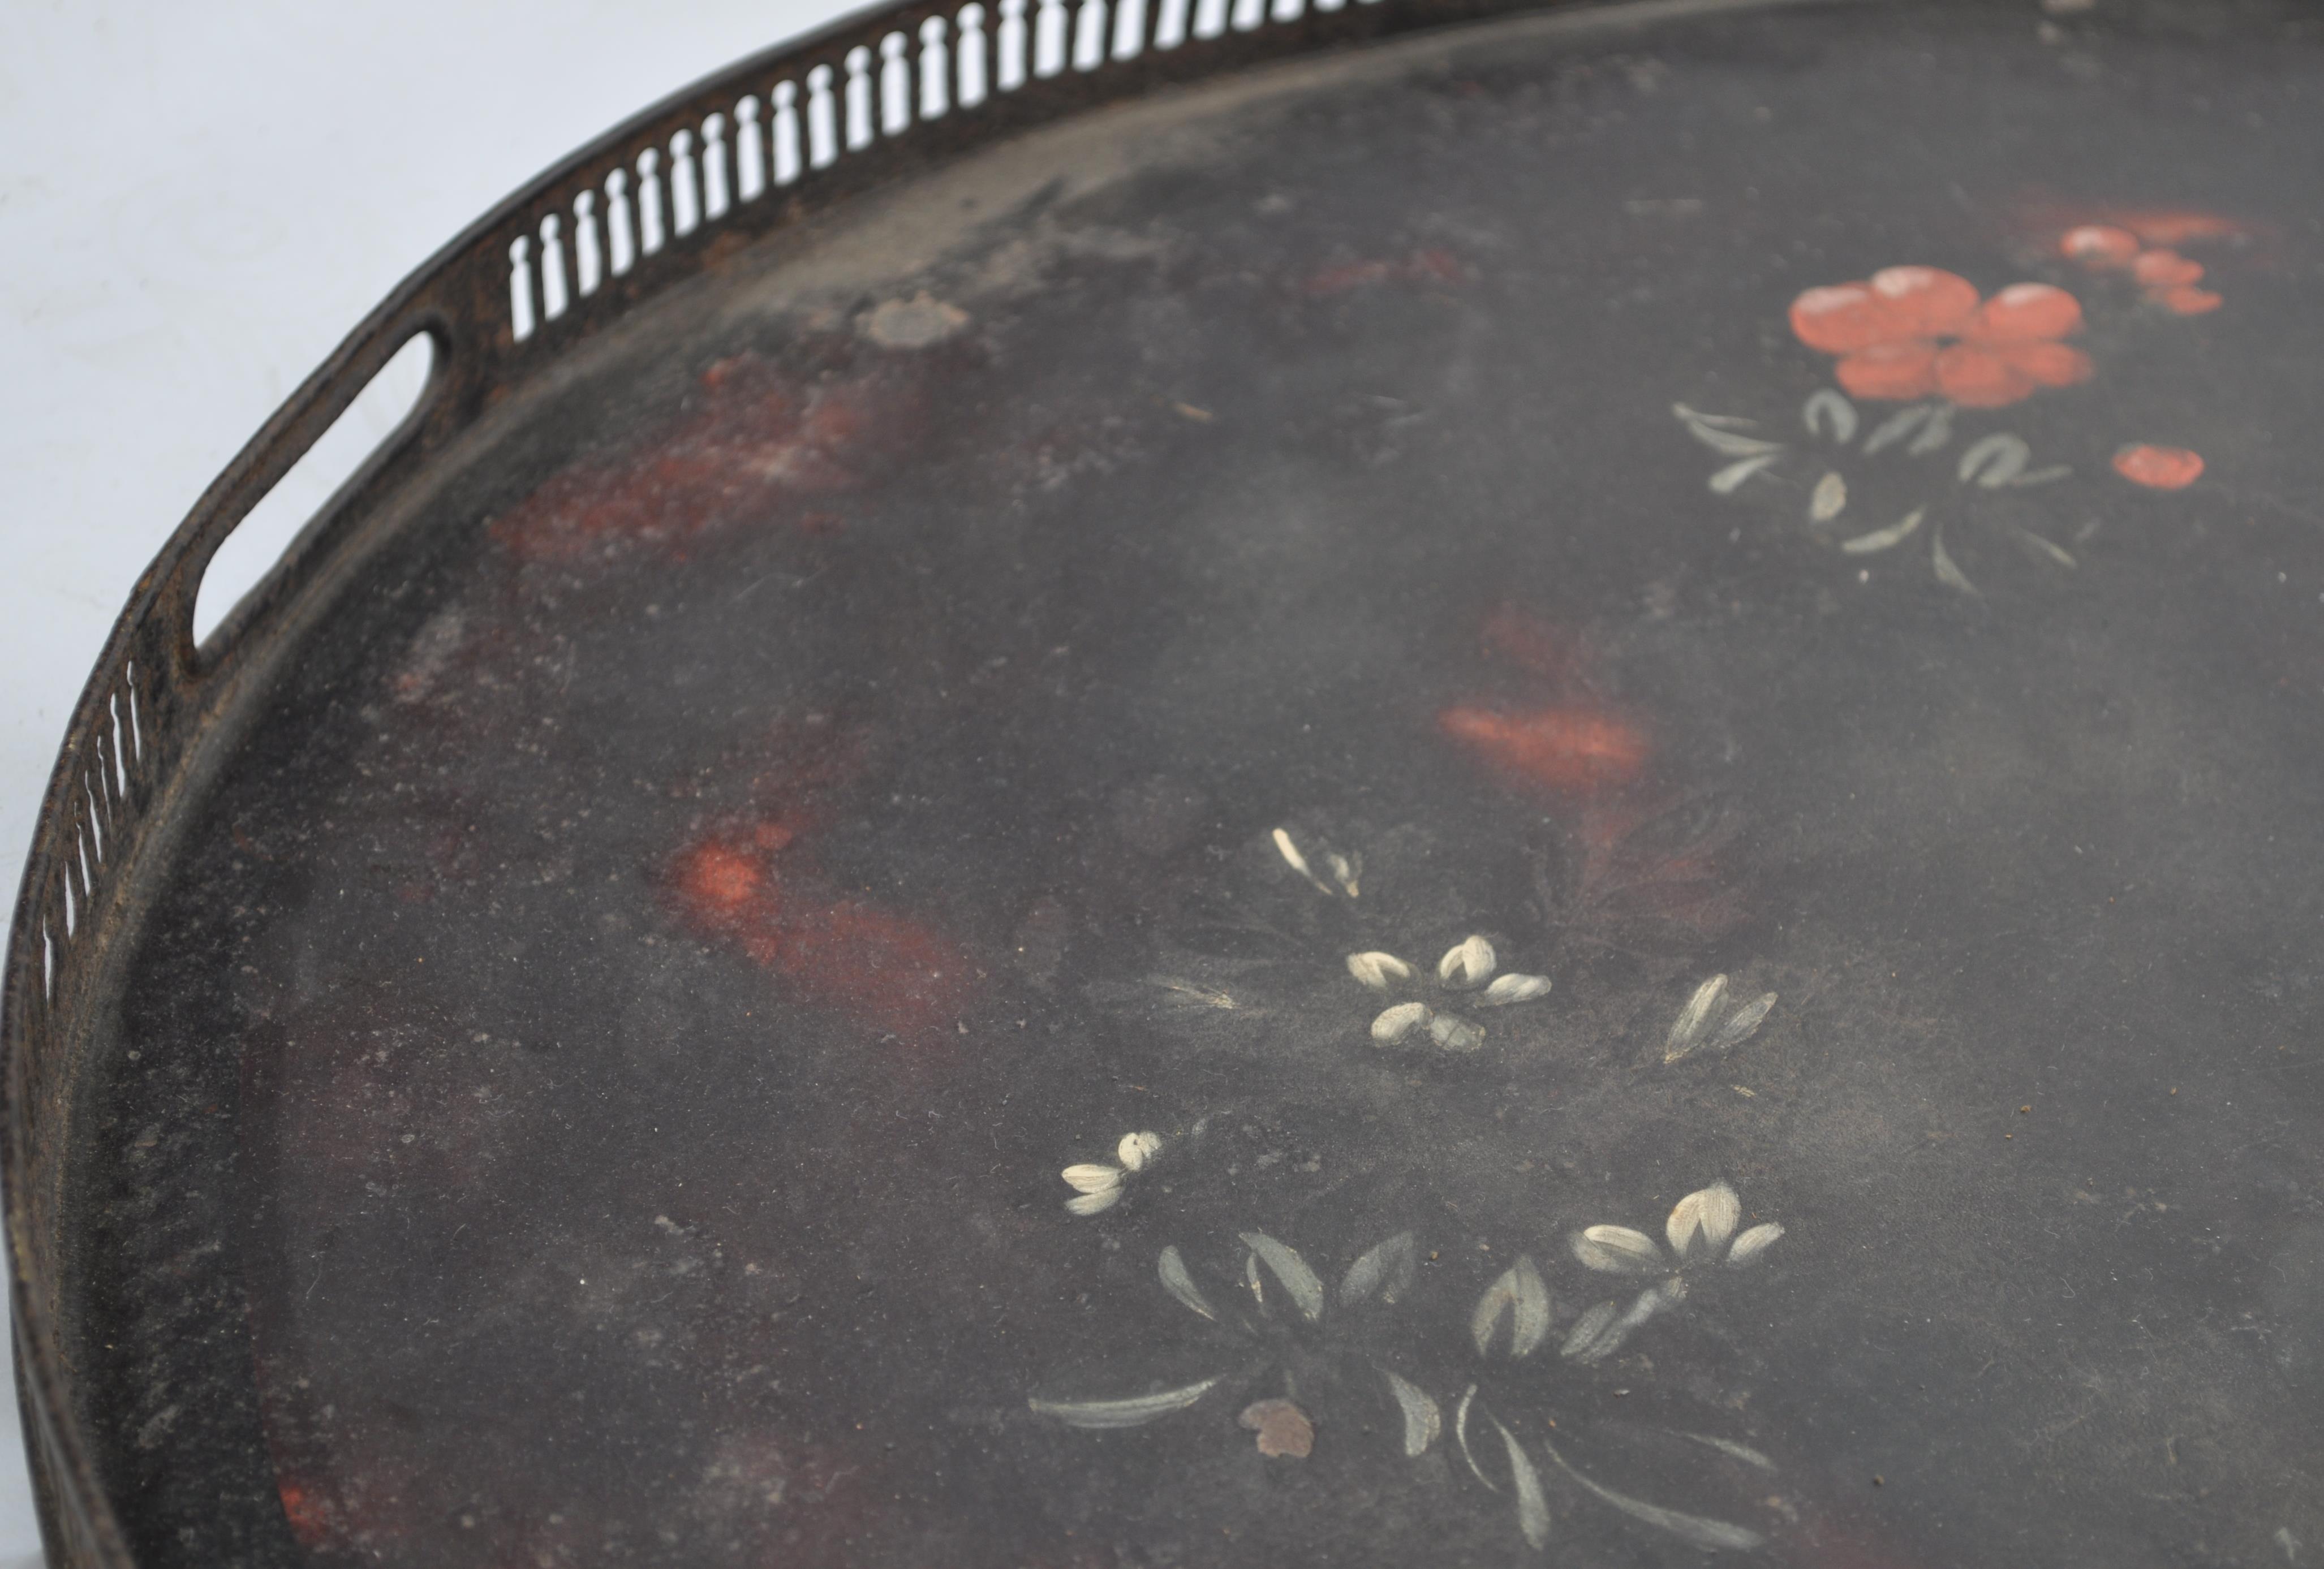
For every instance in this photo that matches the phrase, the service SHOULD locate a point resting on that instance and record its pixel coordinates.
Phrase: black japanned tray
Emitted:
(1547, 792)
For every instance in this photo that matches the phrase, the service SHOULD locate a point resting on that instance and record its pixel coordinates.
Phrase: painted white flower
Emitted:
(1701, 1234)
(1097, 1186)
(1464, 980)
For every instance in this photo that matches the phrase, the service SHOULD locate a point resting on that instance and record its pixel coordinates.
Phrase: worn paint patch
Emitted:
(923, 321)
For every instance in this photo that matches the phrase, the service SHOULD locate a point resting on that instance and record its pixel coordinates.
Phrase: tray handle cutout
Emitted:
(295, 479)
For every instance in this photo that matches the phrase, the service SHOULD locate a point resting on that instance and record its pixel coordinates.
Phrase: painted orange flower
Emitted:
(1915, 332)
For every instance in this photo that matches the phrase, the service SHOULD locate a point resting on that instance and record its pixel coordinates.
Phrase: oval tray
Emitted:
(1244, 785)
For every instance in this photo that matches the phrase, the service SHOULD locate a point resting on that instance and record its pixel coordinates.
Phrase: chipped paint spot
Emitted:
(922, 321)
(1285, 1431)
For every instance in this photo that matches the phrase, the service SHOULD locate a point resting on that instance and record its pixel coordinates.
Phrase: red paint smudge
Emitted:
(2159, 468)
(1435, 265)
(889, 971)
(881, 968)
(750, 878)
(1535, 647)
(309, 1517)
(825, 1500)
(1641, 863)
(1564, 738)
(1570, 751)
(716, 880)
(1638, 856)
(1844, 1537)
(360, 1505)
(431, 1119)
(752, 445)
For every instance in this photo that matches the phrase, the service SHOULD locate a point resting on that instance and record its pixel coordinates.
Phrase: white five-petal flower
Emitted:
(1701, 1232)
(1463, 976)
(1700, 1229)
(1098, 1186)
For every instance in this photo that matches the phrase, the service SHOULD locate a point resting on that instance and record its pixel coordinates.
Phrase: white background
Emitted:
(196, 202)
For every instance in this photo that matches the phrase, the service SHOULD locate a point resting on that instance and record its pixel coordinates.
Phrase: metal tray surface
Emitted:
(1546, 793)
